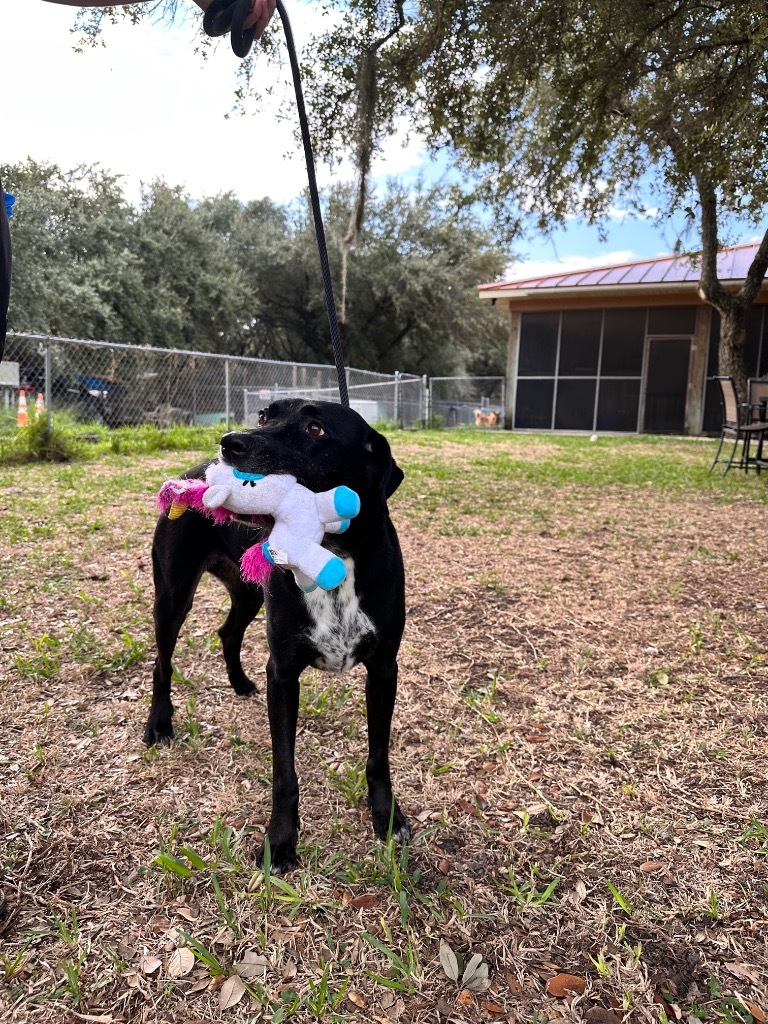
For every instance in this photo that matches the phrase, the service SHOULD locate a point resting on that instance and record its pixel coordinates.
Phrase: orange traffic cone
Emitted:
(22, 419)
(39, 404)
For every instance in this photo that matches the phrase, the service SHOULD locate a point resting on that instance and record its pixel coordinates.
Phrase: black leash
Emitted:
(225, 16)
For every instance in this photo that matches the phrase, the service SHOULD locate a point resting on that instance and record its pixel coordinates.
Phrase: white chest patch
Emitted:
(338, 624)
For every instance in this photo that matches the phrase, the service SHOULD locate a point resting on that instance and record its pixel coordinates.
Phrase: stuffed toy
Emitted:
(301, 519)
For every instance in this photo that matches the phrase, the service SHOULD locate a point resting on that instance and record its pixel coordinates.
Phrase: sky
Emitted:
(146, 105)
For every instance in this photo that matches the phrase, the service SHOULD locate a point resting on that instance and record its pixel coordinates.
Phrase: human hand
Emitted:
(258, 18)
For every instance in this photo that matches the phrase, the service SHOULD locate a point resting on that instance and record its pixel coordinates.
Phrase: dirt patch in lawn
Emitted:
(580, 744)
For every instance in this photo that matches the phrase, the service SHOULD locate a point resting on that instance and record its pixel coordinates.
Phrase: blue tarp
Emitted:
(95, 383)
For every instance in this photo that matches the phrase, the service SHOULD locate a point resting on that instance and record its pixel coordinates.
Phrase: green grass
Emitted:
(502, 459)
(72, 441)
(647, 461)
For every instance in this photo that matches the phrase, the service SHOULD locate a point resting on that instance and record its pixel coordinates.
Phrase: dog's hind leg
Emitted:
(246, 599)
(380, 692)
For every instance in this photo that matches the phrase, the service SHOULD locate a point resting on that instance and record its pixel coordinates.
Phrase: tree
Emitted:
(412, 297)
(562, 108)
(222, 276)
(195, 295)
(70, 227)
(88, 265)
(381, 320)
(410, 292)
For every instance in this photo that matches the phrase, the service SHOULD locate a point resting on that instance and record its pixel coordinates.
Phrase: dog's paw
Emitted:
(282, 857)
(402, 833)
(401, 830)
(158, 734)
(243, 687)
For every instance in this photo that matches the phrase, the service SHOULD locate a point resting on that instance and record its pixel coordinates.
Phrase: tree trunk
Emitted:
(732, 306)
(733, 332)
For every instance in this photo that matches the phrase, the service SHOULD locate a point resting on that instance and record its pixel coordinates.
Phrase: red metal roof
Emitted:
(732, 265)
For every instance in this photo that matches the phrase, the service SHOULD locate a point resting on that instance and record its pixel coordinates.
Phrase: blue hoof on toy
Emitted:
(346, 502)
(332, 574)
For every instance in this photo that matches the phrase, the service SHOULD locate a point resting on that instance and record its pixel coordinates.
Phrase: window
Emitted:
(538, 344)
(623, 340)
(534, 404)
(755, 353)
(618, 404)
(752, 341)
(580, 343)
(581, 369)
(575, 408)
(672, 320)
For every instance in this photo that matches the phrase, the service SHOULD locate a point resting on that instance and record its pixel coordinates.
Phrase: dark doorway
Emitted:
(666, 385)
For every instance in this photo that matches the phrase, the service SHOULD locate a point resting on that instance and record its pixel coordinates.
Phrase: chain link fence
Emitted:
(378, 397)
(122, 385)
(459, 401)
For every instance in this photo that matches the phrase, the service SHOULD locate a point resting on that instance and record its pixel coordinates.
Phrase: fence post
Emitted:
(425, 392)
(396, 410)
(503, 402)
(48, 388)
(226, 393)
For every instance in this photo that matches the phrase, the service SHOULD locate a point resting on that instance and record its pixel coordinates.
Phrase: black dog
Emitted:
(323, 445)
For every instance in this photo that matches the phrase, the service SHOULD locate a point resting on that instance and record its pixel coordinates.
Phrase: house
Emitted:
(629, 347)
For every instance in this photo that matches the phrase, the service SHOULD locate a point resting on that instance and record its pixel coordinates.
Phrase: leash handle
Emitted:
(225, 16)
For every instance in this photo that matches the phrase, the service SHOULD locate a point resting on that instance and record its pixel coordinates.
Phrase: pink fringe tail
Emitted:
(255, 566)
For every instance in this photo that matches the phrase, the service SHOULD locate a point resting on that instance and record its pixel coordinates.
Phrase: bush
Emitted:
(37, 442)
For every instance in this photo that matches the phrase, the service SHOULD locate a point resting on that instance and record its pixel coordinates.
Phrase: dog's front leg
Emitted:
(283, 708)
(380, 692)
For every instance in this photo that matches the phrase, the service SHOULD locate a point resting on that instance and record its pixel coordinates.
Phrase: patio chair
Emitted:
(757, 394)
(737, 425)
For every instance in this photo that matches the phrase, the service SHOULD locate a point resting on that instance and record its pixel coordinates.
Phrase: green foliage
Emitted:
(218, 275)
(37, 442)
(526, 894)
(71, 237)
(560, 108)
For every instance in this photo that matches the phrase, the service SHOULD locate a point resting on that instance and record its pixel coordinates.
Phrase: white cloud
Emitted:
(146, 105)
(619, 214)
(522, 270)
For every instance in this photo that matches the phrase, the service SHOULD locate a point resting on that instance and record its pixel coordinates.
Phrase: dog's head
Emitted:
(322, 444)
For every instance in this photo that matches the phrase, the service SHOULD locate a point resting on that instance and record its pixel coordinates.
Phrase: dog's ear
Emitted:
(384, 473)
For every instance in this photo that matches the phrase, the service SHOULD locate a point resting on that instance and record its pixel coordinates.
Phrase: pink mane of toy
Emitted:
(189, 492)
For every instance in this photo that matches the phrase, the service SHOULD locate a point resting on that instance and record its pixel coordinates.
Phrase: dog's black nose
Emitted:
(233, 444)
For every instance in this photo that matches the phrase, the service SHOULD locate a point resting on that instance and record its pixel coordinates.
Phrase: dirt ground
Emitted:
(579, 743)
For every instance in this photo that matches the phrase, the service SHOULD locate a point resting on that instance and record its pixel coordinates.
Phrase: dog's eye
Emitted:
(315, 429)
(262, 418)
